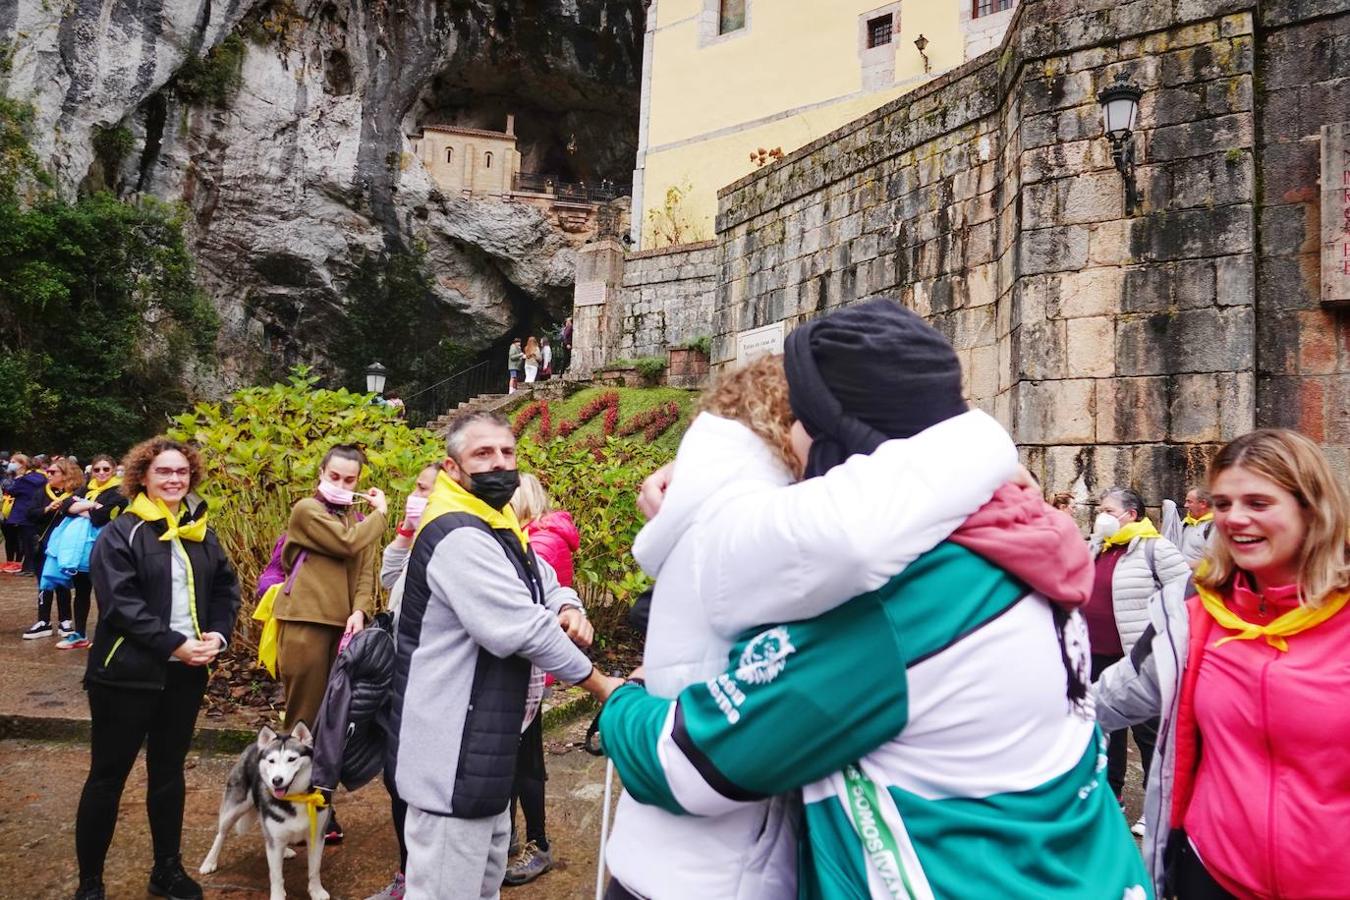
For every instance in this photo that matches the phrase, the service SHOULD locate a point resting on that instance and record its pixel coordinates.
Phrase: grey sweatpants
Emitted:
(456, 859)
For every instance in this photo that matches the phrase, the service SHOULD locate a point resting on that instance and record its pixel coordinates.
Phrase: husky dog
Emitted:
(272, 768)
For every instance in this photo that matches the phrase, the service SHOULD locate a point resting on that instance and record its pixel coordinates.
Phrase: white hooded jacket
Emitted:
(737, 545)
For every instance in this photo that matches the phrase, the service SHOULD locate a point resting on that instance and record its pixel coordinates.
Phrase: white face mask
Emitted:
(1105, 525)
(336, 495)
(413, 509)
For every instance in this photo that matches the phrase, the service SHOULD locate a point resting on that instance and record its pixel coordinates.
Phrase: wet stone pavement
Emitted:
(44, 761)
(41, 778)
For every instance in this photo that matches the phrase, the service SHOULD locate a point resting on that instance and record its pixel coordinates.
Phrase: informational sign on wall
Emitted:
(590, 293)
(1336, 213)
(757, 342)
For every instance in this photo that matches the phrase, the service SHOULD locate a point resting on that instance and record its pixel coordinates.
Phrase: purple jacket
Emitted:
(29, 500)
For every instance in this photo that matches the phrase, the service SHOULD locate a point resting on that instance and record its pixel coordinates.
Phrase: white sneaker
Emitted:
(1138, 828)
(66, 628)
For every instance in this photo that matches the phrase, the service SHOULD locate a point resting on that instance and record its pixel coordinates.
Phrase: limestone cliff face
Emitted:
(300, 167)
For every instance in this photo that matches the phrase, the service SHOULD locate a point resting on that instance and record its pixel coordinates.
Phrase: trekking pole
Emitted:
(591, 747)
(604, 832)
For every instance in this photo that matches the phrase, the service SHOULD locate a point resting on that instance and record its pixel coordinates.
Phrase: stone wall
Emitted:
(667, 297)
(1302, 349)
(630, 305)
(1118, 348)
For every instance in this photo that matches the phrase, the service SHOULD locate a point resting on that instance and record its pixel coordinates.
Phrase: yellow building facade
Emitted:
(730, 83)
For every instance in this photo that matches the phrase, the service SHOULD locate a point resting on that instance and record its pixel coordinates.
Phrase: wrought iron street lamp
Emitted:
(921, 42)
(1120, 108)
(376, 375)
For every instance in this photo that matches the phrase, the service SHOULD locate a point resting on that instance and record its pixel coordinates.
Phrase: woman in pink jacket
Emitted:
(554, 538)
(1249, 793)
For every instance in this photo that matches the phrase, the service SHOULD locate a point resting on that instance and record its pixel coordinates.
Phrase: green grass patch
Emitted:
(631, 402)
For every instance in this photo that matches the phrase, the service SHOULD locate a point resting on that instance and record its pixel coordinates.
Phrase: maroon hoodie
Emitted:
(1032, 541)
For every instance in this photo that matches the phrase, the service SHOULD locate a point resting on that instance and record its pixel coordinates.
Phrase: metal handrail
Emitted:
(446, 379)
(437, 399)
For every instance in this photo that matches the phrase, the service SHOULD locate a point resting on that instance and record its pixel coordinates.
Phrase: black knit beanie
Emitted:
(865, 374)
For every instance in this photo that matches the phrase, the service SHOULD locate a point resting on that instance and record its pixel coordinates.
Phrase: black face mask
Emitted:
(494, 488)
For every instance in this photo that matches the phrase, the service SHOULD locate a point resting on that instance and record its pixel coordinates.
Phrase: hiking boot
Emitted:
(66, 628)
(73, 641)
(90, 889)
(167, 879)
(394, 890)
(39, 630)
(529, 865)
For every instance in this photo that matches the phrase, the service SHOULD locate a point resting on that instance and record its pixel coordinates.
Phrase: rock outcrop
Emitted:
(285, 139)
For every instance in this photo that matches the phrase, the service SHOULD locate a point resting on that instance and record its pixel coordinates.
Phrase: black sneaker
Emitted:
(167, 879)
(39, 630)
(90, 889)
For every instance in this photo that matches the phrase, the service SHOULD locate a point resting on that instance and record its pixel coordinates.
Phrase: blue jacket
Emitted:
(29, 500)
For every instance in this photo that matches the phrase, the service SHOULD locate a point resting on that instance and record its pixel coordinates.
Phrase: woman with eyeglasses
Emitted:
(101, 503)
(65, 484)
(167, 603)
(26, 489)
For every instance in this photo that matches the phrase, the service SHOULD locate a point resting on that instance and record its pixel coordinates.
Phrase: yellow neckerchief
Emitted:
(149, 510)
(313, 803)
(1189, 520)
(449, 496)
(1141, 529)
(56, 498)
(1286, 625)
(95, 488)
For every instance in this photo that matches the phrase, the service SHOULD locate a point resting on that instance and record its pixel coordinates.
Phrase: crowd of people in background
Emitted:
(532, 359)
(848, 565)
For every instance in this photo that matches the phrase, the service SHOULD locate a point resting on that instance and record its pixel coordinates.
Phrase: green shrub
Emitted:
(650, 367)
(261, 449)
(598, 486)
(701, 344)
(214, 77)
(99, 311)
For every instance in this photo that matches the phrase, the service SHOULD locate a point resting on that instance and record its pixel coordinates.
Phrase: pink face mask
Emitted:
(413, 509)
(336, 495)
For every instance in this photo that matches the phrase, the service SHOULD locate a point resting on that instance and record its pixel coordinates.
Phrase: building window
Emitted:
(731, 16)
(879, 31)
(487, 160)
(989, 7)
(449, 154)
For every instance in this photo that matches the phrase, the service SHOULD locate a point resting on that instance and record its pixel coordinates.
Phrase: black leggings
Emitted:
(28, 544)
(529, 786)
(13, 543)
(400, 814)
(1192, 880)
(83, 588)
(123, 720)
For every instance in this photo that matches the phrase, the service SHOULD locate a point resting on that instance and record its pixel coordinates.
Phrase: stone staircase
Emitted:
(553, 389)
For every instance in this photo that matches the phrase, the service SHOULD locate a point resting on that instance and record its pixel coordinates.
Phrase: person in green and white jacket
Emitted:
(937, 725)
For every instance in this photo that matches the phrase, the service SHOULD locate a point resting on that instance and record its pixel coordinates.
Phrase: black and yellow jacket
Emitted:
(132, 571)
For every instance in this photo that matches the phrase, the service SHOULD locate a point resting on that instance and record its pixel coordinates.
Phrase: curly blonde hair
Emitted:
(1298, 465)
(136, 464)
(756, 395)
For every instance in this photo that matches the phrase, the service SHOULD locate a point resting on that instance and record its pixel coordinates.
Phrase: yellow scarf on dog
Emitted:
(313, 802)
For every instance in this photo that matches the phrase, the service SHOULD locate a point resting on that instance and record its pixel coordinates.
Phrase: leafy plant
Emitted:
(99, 312)
(261, 449)
(215, 76)
(701, 344)
(650, 367)
(598, 486)
(672, 223)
